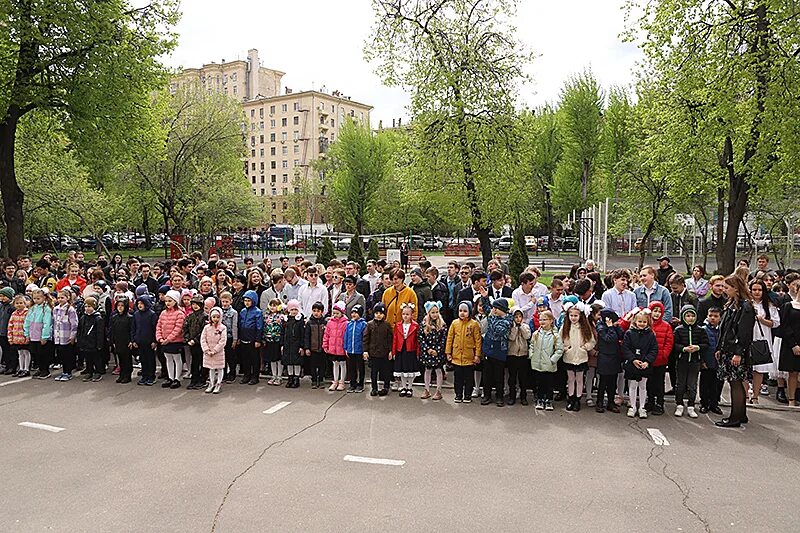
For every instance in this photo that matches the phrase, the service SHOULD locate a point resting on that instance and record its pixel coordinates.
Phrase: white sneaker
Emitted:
(589, 402)
(475, 392)
(395, 387)
(691, 412)
(679, 410)
(764, 390)
(642, 413)
(631, 412)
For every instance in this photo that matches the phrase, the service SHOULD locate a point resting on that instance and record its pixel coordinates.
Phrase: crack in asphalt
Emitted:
(655, 455)
(261, 456)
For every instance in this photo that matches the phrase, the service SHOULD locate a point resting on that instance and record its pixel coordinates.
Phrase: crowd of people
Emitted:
(586, 338)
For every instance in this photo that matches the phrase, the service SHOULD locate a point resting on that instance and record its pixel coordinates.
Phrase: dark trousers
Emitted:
(464, 380)
(355, 369)
(230, 360)
(738, 401)
(316, 366)
(197, 364)
(66, 352)
(10, 358)
(686, 374)
(42, 354)
(672, 370)
(655, 386)
(608, 386)
(518, 370)
(94, 362)
(560, 378)
(380, 372)
(494, 371)
(125, 360)
(710, 388)
(250, 360)
(147, 357)
(162, 361)
(544, 385)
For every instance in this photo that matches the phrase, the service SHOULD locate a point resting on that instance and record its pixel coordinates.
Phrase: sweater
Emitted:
(378, 339)
(545, 350)
(333, 340)
(518, 338)
(169, 328)
(354, 336)
(464, 342)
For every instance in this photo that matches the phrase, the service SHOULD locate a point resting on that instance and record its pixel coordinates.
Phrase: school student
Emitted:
(65, 331)
(377, 350)
(354, 347)
(546, 350)
(91, 340)
(39, 331)
(143, 338)
(315, 354)
(169, 334)
(293, 340)
(212, 342)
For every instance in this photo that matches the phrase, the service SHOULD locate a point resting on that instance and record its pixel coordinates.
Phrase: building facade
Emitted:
(285, 133)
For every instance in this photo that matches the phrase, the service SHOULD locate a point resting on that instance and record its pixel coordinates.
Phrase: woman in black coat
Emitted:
(733, 350)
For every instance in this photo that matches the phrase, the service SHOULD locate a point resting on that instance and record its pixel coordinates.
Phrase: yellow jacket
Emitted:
(464, 342)
(393, 301)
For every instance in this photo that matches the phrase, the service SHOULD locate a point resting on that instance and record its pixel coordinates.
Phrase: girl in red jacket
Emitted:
(405, 347)
(665, 339)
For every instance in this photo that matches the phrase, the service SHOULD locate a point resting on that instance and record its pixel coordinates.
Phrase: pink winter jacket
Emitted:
(333, 339)
(213, 340)
(170, 326)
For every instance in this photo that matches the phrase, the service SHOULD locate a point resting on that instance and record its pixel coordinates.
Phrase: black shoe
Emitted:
(780, 397)
(245, 380)
(670, 392)
(142, 382)
(657, 410)
(486, 400)
(166, 384)
(373, 392)
(612, 407)
(703, 409)
(523, 401)
(383, 392)
(576, 405)
(558, 396)
(289, 382)
(500, 403)
(124, 380)
(569, 403)
(176, 384)
(715, 410)
(253, 381)
(511, 401)
(599, 408)
(728, 423)
(118, 380)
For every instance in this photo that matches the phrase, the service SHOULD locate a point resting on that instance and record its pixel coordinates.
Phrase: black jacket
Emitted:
(736, 330)
(120, 332)
(707, 303)
(193, 326)
(293, 338)
(641, 345)
(91, 332)
(698, 337)
(609, 355)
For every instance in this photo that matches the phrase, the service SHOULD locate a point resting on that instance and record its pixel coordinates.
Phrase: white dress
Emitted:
(765, 333)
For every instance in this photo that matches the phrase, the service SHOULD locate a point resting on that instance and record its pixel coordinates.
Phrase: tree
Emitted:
(357, 164)
(307, 200)
(373, 253)
(326, 253)
(518, 260)
(94, 63)
(462, 62)
(617, 136)
(356, 253)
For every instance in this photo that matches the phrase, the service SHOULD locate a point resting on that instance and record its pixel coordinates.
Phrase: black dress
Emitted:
(790, 335)
(735, 338)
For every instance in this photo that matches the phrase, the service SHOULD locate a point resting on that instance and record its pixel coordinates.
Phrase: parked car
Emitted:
(432, 243)
(762, 242)
(505, 243)
(570, 244)
(69, 243)
(531, 244)
(416, 242)
(343, 244)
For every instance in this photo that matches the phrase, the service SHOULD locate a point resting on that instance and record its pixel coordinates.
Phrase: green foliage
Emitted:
(326, 253)
(356, 253)
(518, 260)
(373, 253)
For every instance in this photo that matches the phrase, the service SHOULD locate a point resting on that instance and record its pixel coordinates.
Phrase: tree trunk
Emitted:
(13, 197)
(148, 244)
(585, 183)
(645, 240)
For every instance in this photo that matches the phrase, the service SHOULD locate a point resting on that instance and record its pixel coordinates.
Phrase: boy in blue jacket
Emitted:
(143, 338)
(251, 326)
(710, 385)
(354, 347)
(495, 350)
(609, 359)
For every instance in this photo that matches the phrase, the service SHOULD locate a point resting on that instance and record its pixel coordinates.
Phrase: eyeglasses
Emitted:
(310, 275)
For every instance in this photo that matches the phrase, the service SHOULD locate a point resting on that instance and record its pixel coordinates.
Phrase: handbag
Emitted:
(760, 350)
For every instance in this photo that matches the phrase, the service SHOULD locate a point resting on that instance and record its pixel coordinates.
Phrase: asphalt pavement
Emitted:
(100, 457)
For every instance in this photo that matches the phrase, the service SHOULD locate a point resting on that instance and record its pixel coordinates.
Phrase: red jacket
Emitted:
(64, 284)
(664, 336)
(412, 342)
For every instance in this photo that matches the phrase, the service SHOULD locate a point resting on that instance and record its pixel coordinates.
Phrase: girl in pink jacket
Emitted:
(213, 340)
(169, 334)
(333, 345)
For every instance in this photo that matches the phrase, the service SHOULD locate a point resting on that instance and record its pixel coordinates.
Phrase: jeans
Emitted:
(463, 380)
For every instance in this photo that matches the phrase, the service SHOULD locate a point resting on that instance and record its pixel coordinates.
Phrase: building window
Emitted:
(284, 108)
(253, 152)
(284, 150)
(272, 165)
(284, 164)
(253, 179)
(332, 123)
(274, 205)
(352, 113)
(297, 190)
(261, 139)
(285, 205)
(254, 165)
(253, 140)
(284, 122)
(296, 136)
(261, 152)
(272, 137)
(272, 110)
(235, 90)
(253, 126)
(261, 113)
(272, 179)
(272, 150)
(274, 191)
(286, 178)
(322, 120)
(283, 135)
(297, 148)
(233, 77)
(333, 136)
(262, 191)
(296, 121)
(262, 165)
(272, 123)
(333, 108)
(262, 179)
(285, 191)
(296, 106)
(261, 125)
(252, 113)
(297, 162)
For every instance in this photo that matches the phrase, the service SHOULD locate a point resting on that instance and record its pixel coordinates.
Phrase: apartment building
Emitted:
(285, 133)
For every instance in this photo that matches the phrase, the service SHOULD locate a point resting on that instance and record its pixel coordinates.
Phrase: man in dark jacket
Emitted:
(664, 271)
(438, 289)
(423, 291)
(715, 297)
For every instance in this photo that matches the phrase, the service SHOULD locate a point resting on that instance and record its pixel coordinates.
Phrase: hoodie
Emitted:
(143, 331)
(686, 335)
(251, 320)
(664, 336)
(354, 336)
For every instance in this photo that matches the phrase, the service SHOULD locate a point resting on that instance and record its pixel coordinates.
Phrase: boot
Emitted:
(296, 382)
(576, 404)
(780, 396)
(569, 403)
(289, 382)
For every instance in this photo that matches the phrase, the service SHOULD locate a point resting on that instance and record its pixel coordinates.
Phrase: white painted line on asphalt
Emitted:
(658, 438)
(20, 380)
(34, 425)
(275, 408)
(373, 460)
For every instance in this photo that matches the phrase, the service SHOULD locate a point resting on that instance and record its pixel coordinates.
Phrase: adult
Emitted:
(619, 298)
(73, 278)
(255, 281)
(276, 291)
(525, 297)
(583, 290)
(293, 283)
(314, 291)
(474, 291)
(377, 295)
(503, 265)
(680, 296)
(185, 267)
(556, 297)
(421, 287)
(762, 265)
(665, 270)
(351, 268)
(789, 360)
(439, 290)
(146, 278)
(350, 296)
(697, 282)
(714, 298)
(397, 295)
(284, 262)
(373, 277)
(766, 318)
(733, 350)
(650, 290)
(403, 255)
(452, 281)
(222, 281)
(10, 278)
(42, 277)
(497, 286)
(539, 289)
(336, 286)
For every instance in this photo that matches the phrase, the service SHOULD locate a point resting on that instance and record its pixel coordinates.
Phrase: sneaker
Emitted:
(548, 405)
(167, 383)
(217, 387)
(437, 396)
(589, 402)
(359, 389)
(643, 413)
(425, 395)
(66, 376)
(539, 405)
(631, 412)
(475, 392)
(764, 390)
(409, 393)
(458, 399)
(679, 410)
(42, 375)
(341, 386)
(691, 412)
(373, 392)
(209, 389)
(383, 392)
(395, 387)
(86, 378)
(176, 384)
(468, 399)
(115, 371)
(612, 408)
(350, 390)
(658, 409)
(150, 383)
(142, 382)
(97, 377)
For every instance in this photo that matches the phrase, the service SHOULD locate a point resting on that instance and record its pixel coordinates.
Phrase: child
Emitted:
(315, 333)
(640, 349)
(121, 328)
(294, 335)
(333, 344)
(578, 338)
(609, 361)
(192, 331)
(273, 331)
(39, 332)
(495, 350)
(710, 385)
(65, 330)
(354, 347)
(546, 349)
(169, 334)
(212, 341)
(91, 340)
(591, 372)
(230, 319)
(377, 349)
(17, 338)
(665, 338)
(9, 360)
(405, 347)
(432, 343)
(143, 338)
(690, 344)
(251, 327)
(518, 363)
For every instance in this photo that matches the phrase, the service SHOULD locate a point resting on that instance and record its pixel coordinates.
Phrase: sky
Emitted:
(320, 43)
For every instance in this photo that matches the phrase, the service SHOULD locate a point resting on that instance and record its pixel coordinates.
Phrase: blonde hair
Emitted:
(645, 314)
(429, 324)
(69, 294)
(550, 315)
(47, 299)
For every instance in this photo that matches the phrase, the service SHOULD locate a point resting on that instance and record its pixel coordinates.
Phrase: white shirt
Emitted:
(308, 295)
(293, 291)
(525, 302)
(406, 328)
(373, 280)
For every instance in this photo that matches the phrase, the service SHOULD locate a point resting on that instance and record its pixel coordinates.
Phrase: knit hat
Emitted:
(293, 304)
(416, 271)
(31, 287)
(684, 311)
(210, 301)
(90, 301)
(164, 289)
(543, 301)
(501, 304)
(339, 306)
(379, 308)
(197, 299)
(467, 304)
(431, 304)
(8, 292)
(358, 308)
(175, 296)
(215, 310)
(140, 290)
(609, 313)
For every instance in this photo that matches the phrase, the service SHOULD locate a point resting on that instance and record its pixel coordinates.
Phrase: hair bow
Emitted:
(408, 305)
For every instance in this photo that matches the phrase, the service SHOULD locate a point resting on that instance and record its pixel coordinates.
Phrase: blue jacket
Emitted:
(713, 337)
(251, 320)
(143, 330)
(660, 294)
(609, 354)
(495, 342)
(354, 336)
